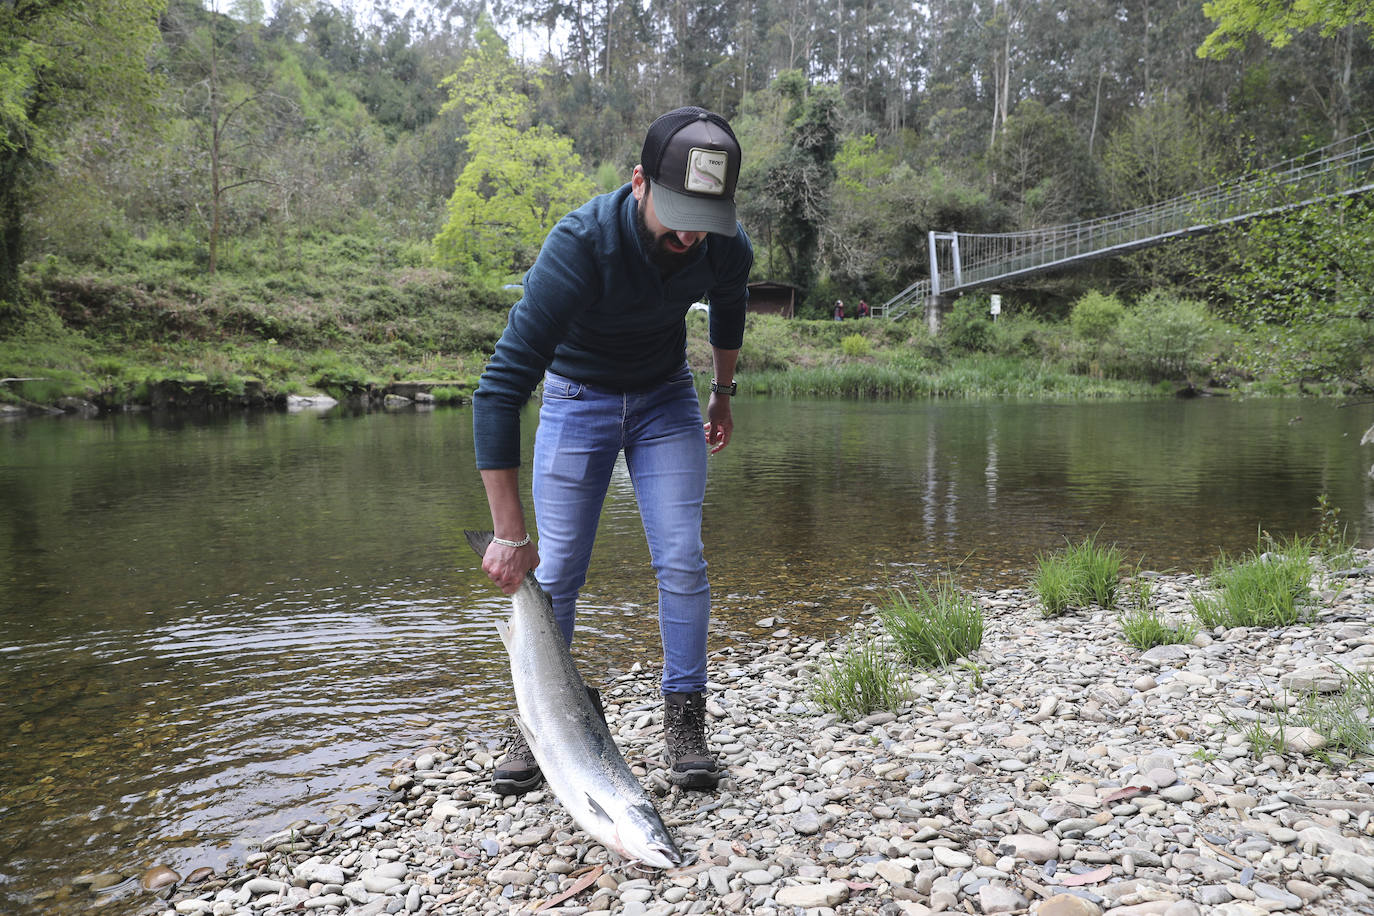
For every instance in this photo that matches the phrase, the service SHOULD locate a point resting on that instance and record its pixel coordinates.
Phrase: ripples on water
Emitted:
(211, 630)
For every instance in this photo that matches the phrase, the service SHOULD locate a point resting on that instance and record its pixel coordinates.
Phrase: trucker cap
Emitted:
(692, 160)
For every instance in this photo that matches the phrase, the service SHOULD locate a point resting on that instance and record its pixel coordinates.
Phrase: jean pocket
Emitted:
(561, 388)
(682, 377)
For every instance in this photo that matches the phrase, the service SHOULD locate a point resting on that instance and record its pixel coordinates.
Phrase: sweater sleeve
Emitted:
(562, 282)
(730, 293)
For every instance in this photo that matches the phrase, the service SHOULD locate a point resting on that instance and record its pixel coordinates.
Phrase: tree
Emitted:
(519, 180)
(1042, 168)
(787, 190)
(1278, 21)
(1302, 286)
(61, 60)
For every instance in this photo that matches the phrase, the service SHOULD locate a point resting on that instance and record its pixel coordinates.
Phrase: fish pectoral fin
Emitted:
(503, 630)
(527, 732)
(599, 812)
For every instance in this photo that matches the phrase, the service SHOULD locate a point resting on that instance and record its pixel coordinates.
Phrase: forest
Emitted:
(307, 173)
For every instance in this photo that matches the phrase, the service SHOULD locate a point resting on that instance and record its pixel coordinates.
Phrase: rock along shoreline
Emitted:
(1066, 773)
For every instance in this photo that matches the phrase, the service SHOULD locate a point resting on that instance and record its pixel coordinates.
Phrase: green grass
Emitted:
(862, 678)
(1263, 589)
(1343, 718)
(941, 626)
(1079, 575)
(896, 375)
(1146, 628)
(1054, 583)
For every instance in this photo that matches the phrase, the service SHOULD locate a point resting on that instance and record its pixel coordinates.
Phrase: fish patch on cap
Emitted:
(706, 171)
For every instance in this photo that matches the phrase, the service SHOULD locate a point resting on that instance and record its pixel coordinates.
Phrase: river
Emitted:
(212, 626)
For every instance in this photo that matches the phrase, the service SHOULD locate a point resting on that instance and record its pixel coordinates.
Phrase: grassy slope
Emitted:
(341, 314)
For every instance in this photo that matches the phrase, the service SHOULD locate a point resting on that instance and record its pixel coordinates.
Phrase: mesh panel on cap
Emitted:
(661, 131)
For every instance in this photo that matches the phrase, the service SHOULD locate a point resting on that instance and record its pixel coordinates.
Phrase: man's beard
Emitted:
(667, 262)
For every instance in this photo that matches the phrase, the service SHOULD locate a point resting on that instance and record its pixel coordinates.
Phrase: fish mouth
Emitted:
(661, 857)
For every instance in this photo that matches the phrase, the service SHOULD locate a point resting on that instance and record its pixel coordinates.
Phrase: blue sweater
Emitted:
(596, 310)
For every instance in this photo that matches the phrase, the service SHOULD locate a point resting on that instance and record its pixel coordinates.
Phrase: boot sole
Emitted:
(705, 780)
(513, 785)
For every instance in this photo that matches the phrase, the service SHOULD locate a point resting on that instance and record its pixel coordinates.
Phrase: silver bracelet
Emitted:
(505, 543)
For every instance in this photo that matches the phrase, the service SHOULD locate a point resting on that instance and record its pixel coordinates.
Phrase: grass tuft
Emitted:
(1146, 628)
(862, 678)
(1078, 575)
(941, 626)
(1264, 589)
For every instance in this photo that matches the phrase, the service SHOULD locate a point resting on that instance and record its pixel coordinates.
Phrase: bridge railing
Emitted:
(972, 260)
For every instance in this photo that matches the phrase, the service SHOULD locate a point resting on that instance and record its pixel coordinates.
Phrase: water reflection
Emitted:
(210, 628)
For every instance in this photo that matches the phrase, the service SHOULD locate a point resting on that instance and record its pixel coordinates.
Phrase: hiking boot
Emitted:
(690, 764)
(517, 772)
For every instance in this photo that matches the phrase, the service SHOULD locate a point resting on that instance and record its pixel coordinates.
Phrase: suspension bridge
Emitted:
(961, 262)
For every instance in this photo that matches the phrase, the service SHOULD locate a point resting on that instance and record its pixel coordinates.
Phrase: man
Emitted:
(602, 322)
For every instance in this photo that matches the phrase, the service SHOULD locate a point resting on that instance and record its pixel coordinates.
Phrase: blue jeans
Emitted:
(581, 433)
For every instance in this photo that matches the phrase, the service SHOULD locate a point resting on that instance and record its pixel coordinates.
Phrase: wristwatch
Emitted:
(730, 389)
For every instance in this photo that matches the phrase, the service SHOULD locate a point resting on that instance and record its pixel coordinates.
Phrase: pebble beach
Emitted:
(1063, 772)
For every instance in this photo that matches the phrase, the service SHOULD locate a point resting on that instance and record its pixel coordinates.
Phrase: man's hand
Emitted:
(506, 566)
(719, 424)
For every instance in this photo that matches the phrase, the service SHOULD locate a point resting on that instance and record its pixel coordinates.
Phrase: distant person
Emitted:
(863, 308)
(839, 310)
(602, 324)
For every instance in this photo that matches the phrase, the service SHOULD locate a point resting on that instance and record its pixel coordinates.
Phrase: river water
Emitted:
(211, 627)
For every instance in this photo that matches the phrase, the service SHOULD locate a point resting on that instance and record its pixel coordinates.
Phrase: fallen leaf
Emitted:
(580, 885)
(1088, 877)
(1126, 792)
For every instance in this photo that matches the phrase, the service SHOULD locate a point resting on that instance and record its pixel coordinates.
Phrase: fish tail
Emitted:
(479, 541)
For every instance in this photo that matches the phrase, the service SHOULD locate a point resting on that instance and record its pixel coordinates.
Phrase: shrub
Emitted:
(856, 346)
(943, 624)
(1165, 337)
(968, 326)
(1095, 316)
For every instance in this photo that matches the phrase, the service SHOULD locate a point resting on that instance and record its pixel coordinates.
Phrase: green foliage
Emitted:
(1301, 288)
(61, 62)
(1277, 23)
(1165, 337)
(786, 177)
(941, 626)
(520, 178)
(1147, 627)
(1158, 152)
(1044, 171)
(856, 346)
(1095, 316)
(1264, 589)
(968, 326)
(862, 678)
(1076, 576)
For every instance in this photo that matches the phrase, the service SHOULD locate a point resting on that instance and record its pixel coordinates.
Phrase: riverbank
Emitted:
(1067, 774)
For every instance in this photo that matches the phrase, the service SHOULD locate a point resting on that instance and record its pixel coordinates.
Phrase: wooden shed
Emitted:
(770, 298)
